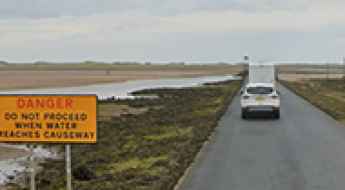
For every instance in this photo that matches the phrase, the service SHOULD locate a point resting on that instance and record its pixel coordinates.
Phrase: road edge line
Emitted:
(295, 92)
(195, 161)
(205, 145)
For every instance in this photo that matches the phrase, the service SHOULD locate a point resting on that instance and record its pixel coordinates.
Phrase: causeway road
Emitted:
(304, 150)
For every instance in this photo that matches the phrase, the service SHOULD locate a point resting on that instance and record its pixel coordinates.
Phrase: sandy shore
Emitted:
(12, 153)
(26, 79)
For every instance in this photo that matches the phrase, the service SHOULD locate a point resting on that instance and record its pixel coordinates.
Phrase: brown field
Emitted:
(312, 69)
(299, 77)
(305, 72)
(55, 75)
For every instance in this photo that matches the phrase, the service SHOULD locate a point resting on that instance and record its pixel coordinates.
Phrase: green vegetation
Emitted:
(148, 150)
(328, 95)
(107, 111)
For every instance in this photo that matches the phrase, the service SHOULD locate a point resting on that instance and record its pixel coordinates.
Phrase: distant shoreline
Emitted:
(53, 76)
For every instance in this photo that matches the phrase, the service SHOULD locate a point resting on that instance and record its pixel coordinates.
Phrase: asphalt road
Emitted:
(304, 150)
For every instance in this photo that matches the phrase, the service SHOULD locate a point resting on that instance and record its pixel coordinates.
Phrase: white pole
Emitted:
(32, 168)
(68, 167)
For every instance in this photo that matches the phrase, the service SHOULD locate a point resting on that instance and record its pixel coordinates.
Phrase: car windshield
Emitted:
(259, 90)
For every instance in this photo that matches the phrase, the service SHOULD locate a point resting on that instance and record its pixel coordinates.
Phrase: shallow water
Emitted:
(12, 167)
(123, 90)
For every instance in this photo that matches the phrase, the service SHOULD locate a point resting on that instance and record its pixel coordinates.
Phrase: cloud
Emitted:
(167, 30)
(314, 17)
(37, 9)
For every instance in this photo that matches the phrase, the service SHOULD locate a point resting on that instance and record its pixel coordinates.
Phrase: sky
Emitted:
(172, 30)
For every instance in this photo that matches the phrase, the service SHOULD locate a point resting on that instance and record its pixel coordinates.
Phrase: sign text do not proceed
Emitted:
(48, 118)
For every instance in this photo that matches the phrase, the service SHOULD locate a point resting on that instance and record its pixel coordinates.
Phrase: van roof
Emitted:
(261, 64)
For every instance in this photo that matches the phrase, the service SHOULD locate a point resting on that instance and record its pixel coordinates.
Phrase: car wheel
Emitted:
(244, 114)
(276, 114)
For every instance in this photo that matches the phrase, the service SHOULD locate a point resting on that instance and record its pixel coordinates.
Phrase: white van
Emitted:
(260, 97)
(262, 73)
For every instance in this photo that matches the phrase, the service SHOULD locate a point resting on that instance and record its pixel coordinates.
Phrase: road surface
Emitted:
(304, 150)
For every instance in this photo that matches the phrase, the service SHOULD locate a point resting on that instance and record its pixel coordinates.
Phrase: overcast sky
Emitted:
(172, 30)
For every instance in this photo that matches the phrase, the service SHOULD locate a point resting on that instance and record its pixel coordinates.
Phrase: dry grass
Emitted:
(108, 111)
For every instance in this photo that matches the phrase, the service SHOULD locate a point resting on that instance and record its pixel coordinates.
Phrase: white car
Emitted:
(260, 97)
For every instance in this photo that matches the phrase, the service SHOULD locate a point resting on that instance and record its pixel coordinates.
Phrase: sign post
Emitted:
(32, 169)
(49, 119)
(68, 167)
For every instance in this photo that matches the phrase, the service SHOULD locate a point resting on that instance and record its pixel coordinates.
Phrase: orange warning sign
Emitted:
(48, 118)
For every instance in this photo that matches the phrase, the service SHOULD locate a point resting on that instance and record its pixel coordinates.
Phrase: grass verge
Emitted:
(148, 149)
(328, 95)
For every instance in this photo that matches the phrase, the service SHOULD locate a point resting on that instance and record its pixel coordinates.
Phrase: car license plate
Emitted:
(259, 98)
